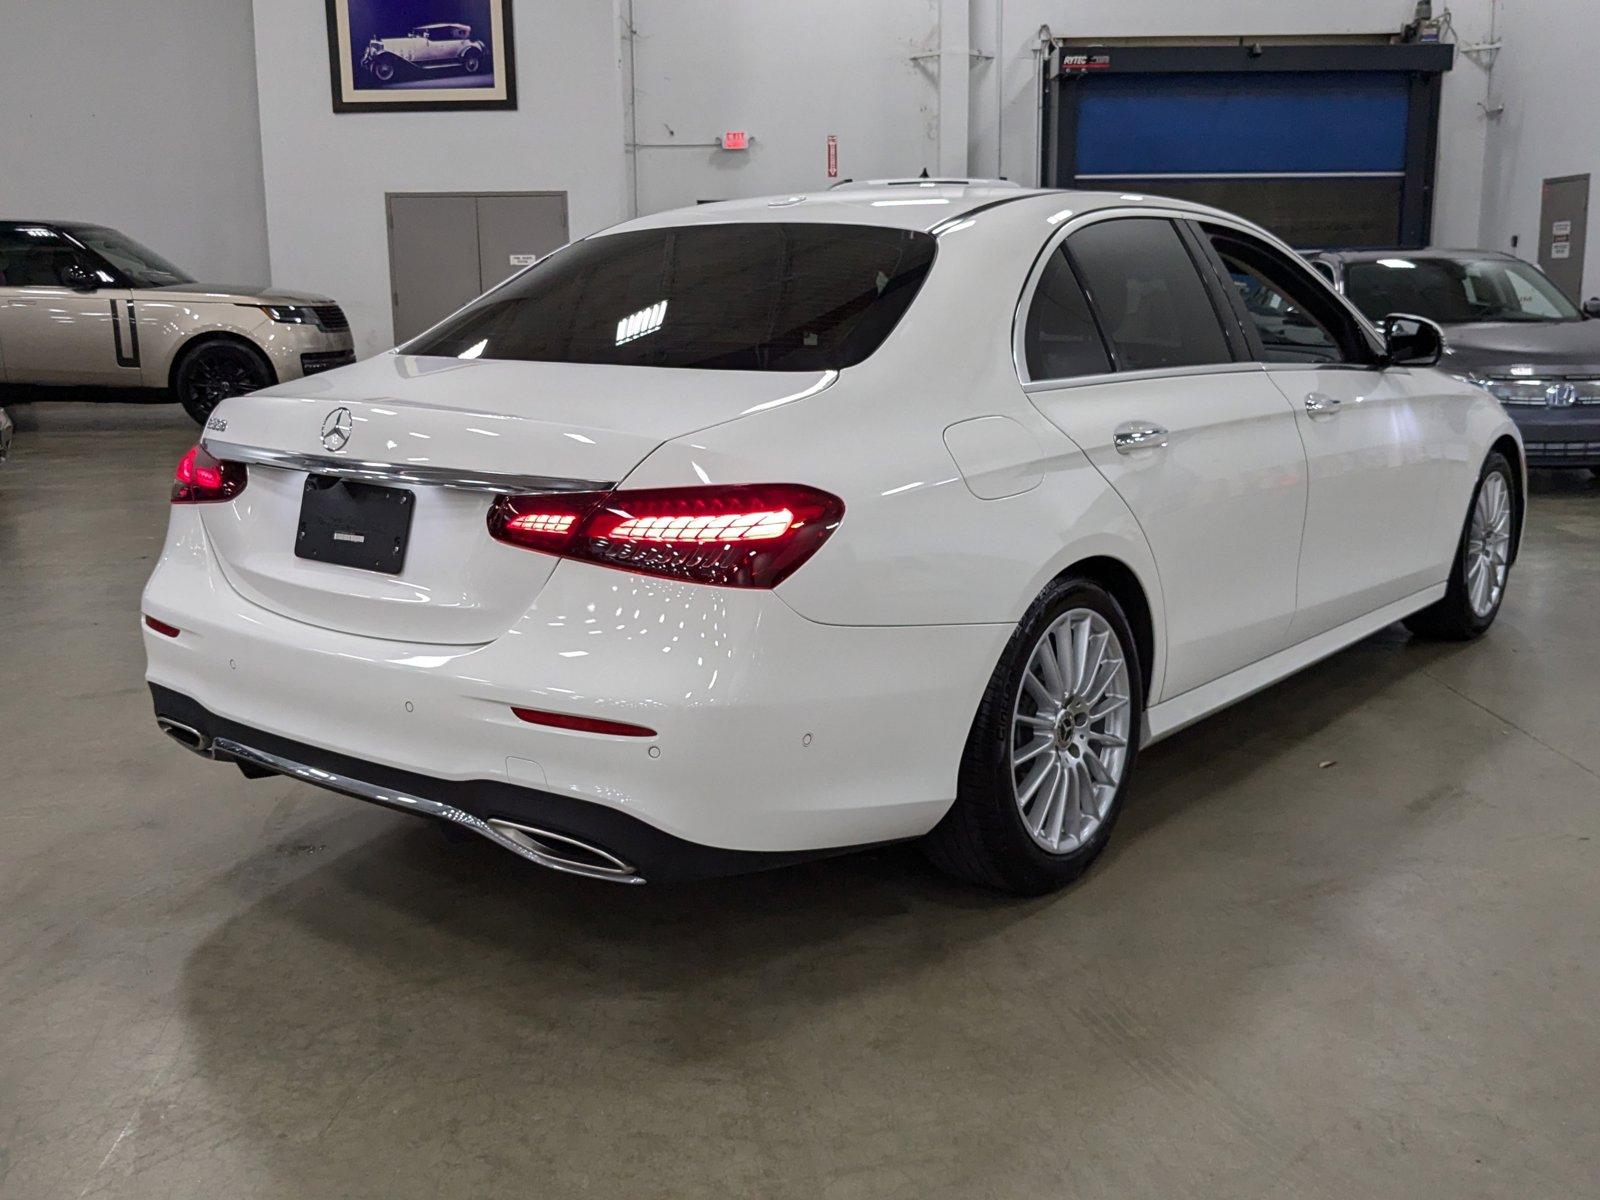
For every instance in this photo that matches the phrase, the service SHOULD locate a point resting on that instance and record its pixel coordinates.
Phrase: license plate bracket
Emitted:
(354, 524)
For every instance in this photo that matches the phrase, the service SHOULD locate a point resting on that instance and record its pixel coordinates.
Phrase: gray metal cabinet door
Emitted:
(433, 259)
(512, 228)
(1563, 224)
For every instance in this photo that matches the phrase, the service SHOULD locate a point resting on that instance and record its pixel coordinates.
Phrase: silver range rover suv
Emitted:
(84, 305)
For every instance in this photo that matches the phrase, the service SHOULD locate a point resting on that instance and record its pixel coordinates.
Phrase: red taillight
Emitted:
(162, 627)
(745, 535)
(535, 716)
(202, 479)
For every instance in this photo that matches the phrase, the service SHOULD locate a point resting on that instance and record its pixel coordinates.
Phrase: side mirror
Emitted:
(79, 277)
(1411, 341)
(1591, 307)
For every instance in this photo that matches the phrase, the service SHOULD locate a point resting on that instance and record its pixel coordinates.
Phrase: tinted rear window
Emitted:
(738, 297)
(1150, 299)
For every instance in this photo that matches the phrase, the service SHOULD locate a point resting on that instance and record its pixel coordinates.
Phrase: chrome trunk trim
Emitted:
(531, 844)
(401, 474)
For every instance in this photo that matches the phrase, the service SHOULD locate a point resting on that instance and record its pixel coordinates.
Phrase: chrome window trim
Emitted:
(1101, 378)
(400, 474)
(1318, 366)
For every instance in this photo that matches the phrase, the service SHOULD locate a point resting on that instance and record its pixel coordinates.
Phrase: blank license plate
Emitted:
(354, 524)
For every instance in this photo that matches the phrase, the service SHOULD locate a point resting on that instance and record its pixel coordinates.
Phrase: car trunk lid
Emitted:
(454, 433)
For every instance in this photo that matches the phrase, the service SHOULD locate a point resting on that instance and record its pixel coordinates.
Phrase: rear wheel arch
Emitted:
(1120, 580)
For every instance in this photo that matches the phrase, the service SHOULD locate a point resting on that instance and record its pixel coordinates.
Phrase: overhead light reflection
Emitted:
(640, 324)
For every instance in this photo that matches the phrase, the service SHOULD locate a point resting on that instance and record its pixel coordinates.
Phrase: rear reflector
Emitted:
(202, 479)
(162, 627)
(534, 716)
(744, 535)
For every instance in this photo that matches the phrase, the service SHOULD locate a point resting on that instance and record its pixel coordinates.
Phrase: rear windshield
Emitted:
(738, 297)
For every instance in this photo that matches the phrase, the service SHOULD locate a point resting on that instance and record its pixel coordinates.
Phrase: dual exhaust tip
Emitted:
(187, 736)
(556, 851)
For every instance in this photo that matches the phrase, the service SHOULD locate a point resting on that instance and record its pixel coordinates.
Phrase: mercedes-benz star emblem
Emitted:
(336, 429)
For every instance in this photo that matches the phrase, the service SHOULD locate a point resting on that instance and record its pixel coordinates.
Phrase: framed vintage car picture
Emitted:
(421, 55)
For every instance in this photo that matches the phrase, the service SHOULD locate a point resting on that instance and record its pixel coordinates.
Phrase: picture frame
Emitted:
(421, 55)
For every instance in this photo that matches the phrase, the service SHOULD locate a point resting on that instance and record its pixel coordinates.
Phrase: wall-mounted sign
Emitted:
(1560, 249)
(524, 260)
(1071, 63)
(736, 139)
(1561, 229)
(833, 157)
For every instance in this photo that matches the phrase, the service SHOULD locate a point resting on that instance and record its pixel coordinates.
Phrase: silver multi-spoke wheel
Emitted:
(1070, 729)
(1489, 545)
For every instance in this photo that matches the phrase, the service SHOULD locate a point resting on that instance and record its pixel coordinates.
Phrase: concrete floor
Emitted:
(1346, 943)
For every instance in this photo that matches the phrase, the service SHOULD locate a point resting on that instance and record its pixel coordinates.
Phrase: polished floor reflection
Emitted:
(1345, 943)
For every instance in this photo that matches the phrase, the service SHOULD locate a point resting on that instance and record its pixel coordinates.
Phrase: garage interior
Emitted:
(1345, 943)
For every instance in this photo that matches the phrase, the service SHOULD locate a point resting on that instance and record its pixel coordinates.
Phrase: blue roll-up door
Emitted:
(1326, 156)
(1196, 125)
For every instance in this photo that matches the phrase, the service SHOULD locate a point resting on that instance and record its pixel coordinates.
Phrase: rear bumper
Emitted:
(556, 832)
(774, 734)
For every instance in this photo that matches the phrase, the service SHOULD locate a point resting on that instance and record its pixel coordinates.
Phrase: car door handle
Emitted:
(1320, 404)
(1138, 435)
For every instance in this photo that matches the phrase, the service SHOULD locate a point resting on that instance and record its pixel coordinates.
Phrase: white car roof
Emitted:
(904, 204)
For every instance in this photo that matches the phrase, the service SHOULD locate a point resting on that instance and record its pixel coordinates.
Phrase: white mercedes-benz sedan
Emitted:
(768, 529)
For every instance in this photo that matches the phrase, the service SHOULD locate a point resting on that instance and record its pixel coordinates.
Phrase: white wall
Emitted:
(139, 114)
(1549, 127)
(326, 173)
(793, 74)
(210, 134)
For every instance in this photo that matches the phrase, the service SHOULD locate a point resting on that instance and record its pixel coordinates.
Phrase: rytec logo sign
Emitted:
(1084, 62)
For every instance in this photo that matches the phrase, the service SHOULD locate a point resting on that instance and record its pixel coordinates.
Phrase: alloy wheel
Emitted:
(1070, 730)
(1489, 545)
(220, 372)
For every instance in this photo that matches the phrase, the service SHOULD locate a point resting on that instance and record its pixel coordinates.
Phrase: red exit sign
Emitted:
(736, 139)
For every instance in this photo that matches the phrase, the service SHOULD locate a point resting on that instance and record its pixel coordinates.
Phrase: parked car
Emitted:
(7, 431)
(424, 49)
(86, 305)
(1507, 327)
(771, 528)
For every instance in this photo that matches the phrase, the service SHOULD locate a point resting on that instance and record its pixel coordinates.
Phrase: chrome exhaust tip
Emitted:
(557, 849)
(187, 736)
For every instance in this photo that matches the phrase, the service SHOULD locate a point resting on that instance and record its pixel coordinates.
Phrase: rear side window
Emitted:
(754, 296)
(1152, 304)
(1060, 339)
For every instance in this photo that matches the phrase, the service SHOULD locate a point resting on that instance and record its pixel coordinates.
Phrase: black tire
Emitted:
(471, 61)
(1453, 617)
(212, 371)
(983, 837)
(384, 70)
